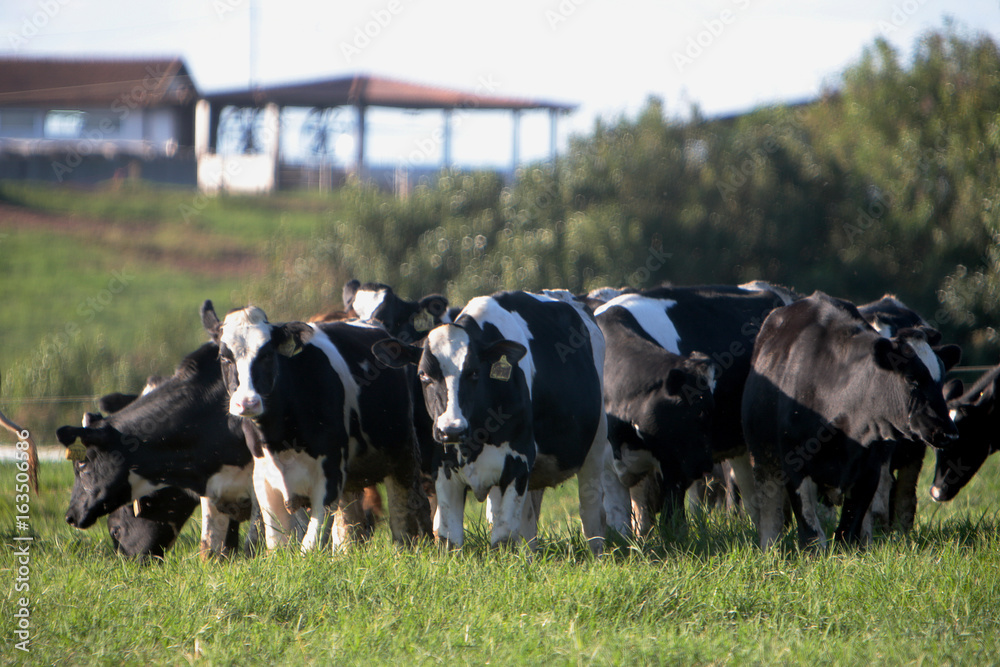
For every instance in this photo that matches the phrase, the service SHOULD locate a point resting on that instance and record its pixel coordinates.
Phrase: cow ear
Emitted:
(950, 355)
(397, 354)
(953, 389)
(350, 290)
(435, 304)
(676, 379)
(289, 338)
(210, 320)
(885, 354)
(511, 349)
(67, 435)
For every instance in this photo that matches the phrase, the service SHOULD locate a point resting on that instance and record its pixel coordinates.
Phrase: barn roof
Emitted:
(76, 82)
(366, 90)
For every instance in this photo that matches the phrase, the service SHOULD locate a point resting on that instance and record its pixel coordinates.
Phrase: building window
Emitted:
(64, 124)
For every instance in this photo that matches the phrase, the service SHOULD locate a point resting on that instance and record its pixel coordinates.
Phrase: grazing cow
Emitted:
(824, 400)
(514, 389)
(409, 321)
(326, 416)
(176, 436)
(977, 417)
(659, 407)
(720, 322)
(895, 502)
(150, 525)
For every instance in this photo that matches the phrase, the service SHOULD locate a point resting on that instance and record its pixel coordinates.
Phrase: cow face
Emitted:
(464, 382)
(975, 416)
(249, 351)
(910, 356)
(408, 321)
(101, 477)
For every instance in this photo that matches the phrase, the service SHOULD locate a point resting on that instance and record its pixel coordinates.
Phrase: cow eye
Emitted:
(425, 379)
(473, 374)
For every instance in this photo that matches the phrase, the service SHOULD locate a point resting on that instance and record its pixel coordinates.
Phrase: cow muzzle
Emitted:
(246, 405)
(451, 433)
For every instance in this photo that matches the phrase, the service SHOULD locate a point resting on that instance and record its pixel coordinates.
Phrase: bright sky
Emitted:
(723, 55)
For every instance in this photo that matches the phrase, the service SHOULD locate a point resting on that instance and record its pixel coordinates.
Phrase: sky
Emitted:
(725, 56)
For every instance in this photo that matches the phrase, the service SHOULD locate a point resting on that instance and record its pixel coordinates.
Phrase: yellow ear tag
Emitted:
(76, 452)
(136, 507)
(424, 321)
(501, 369)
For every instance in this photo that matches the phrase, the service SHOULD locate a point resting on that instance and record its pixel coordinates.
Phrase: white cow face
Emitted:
(250, 348)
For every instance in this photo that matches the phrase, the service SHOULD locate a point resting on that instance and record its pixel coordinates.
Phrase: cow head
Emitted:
(250, 348)
(408, 321)
(909, 355)
(101, 474)
(975, 415)
(471, 387)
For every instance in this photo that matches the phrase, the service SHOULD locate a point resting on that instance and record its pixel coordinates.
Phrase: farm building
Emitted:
(92, 120)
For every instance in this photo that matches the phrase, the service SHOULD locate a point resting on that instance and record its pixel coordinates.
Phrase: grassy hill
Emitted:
(102, 287)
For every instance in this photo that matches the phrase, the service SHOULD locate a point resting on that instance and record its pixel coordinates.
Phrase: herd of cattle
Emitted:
(809, 402)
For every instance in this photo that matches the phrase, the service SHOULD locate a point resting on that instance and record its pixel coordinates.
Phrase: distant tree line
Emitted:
(890, 183)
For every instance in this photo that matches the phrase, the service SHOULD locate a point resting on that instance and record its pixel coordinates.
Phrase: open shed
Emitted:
(258, 166)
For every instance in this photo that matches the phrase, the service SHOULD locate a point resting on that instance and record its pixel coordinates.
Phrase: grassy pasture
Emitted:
(706, 598)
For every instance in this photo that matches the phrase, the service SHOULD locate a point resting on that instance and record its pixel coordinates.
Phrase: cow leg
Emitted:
(251, 545)
(508, 514)
(768, 503)
(277, 520)
(591, 491)
(855, 524)
(450, 509)
(880, 502)
(317, 517)
(214, 528)
(529, 518)
(643, 502)
(746, 480)
(348, 521)
(805, 502)
(409, 510)
(616, 498)
(904, 497)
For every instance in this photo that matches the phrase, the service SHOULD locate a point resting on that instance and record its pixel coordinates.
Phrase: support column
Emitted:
(446, 141)
(202, 125)
(553, 135)
(359, 143)
(516, 147)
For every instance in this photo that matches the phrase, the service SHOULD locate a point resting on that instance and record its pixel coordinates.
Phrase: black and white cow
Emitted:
(515, 391)
(826, 398)
(409, 321)
(149, 526)
(720, 322)
(977, 417)
(326, 417)
(660, 407)
(895, 502)
(176, 436)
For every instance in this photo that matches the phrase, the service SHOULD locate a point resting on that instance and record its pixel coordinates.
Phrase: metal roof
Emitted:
(75, 82)
(365, 90)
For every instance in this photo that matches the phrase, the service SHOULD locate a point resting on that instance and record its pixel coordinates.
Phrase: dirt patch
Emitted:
(200, 252)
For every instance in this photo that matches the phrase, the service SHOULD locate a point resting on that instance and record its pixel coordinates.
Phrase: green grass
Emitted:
(710, 598)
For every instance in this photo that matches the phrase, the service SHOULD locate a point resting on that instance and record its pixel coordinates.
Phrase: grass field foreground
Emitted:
(710, 597)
